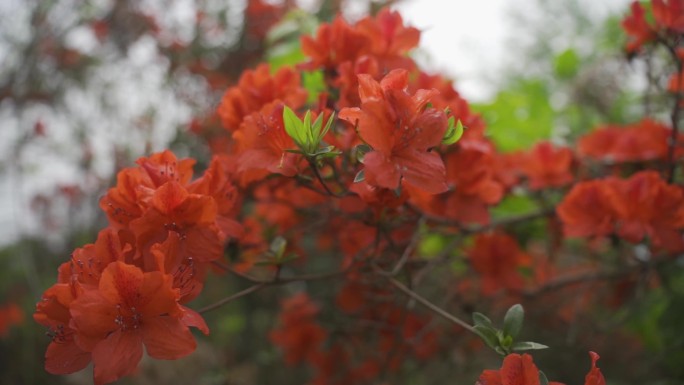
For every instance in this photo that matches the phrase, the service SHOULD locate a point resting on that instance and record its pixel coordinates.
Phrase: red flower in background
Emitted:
(637, 28)
(497, 257)
(643, 206)
(373, 46)
(587, 211)
(676, 83)
(642, 141)
(669, 14)
(261, 17)
(401, 129)
(257, 88)
(646, 206)
(334, 44)
(389, 39)
(10, 315)
(546, 165)
(299, 335)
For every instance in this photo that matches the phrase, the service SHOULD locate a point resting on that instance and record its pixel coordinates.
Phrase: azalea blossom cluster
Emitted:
(128, 289)
(362, 174)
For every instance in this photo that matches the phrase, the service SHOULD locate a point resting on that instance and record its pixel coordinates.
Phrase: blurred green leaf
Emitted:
(566, 64)
(481, 319)
(520, 116)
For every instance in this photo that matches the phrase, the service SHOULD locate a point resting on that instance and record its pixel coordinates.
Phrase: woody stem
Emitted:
(403, 288)
(674, 115)
(314, 168)
(233, 297)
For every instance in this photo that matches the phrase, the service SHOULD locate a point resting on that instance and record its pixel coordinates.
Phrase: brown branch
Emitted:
(674, 117)
(231, 298)
(431, 305)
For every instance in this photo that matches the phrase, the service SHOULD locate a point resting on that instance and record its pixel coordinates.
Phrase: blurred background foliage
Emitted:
(87, 87)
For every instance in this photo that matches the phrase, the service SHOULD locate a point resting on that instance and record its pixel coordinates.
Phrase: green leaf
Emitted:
(513, 320)
(316, 127)
(488, 335)
(360, 176)
(527, 345)
(331, 119)
(481, 319)
(566, 64)
(314, 83)
(454, 132)
(277, 247)
(308, 130)
(519, 116)
(285, 54)
(294, 127)
(506, 342)
(431, 245)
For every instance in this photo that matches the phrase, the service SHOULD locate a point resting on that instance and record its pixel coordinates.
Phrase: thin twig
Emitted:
(314, 168)
(431, 305)
(233, 297)
(674, 117)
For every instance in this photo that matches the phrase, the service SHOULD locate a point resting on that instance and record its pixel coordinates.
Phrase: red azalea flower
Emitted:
(676, 83)
(135, 185)
(88, 262)
(642, 141)
(587, 210)
(390, 40)
(646, 206)
(516, 370)
(637, 28)
(128, 309)
(448, 97)
(298, 335)
(401, 129)
(669, 14)
(334, 44)
(473, 189)
(63, 356)
(497, 258)
(191, 216)
(257, 88)
(10, 314)
(594, 377)
(262, 142)
(547, 166)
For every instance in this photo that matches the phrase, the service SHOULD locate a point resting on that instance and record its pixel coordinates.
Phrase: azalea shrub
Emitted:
(367, 195)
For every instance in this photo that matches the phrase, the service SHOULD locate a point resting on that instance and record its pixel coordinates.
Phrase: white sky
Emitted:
(466, 39)
(461, 38)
